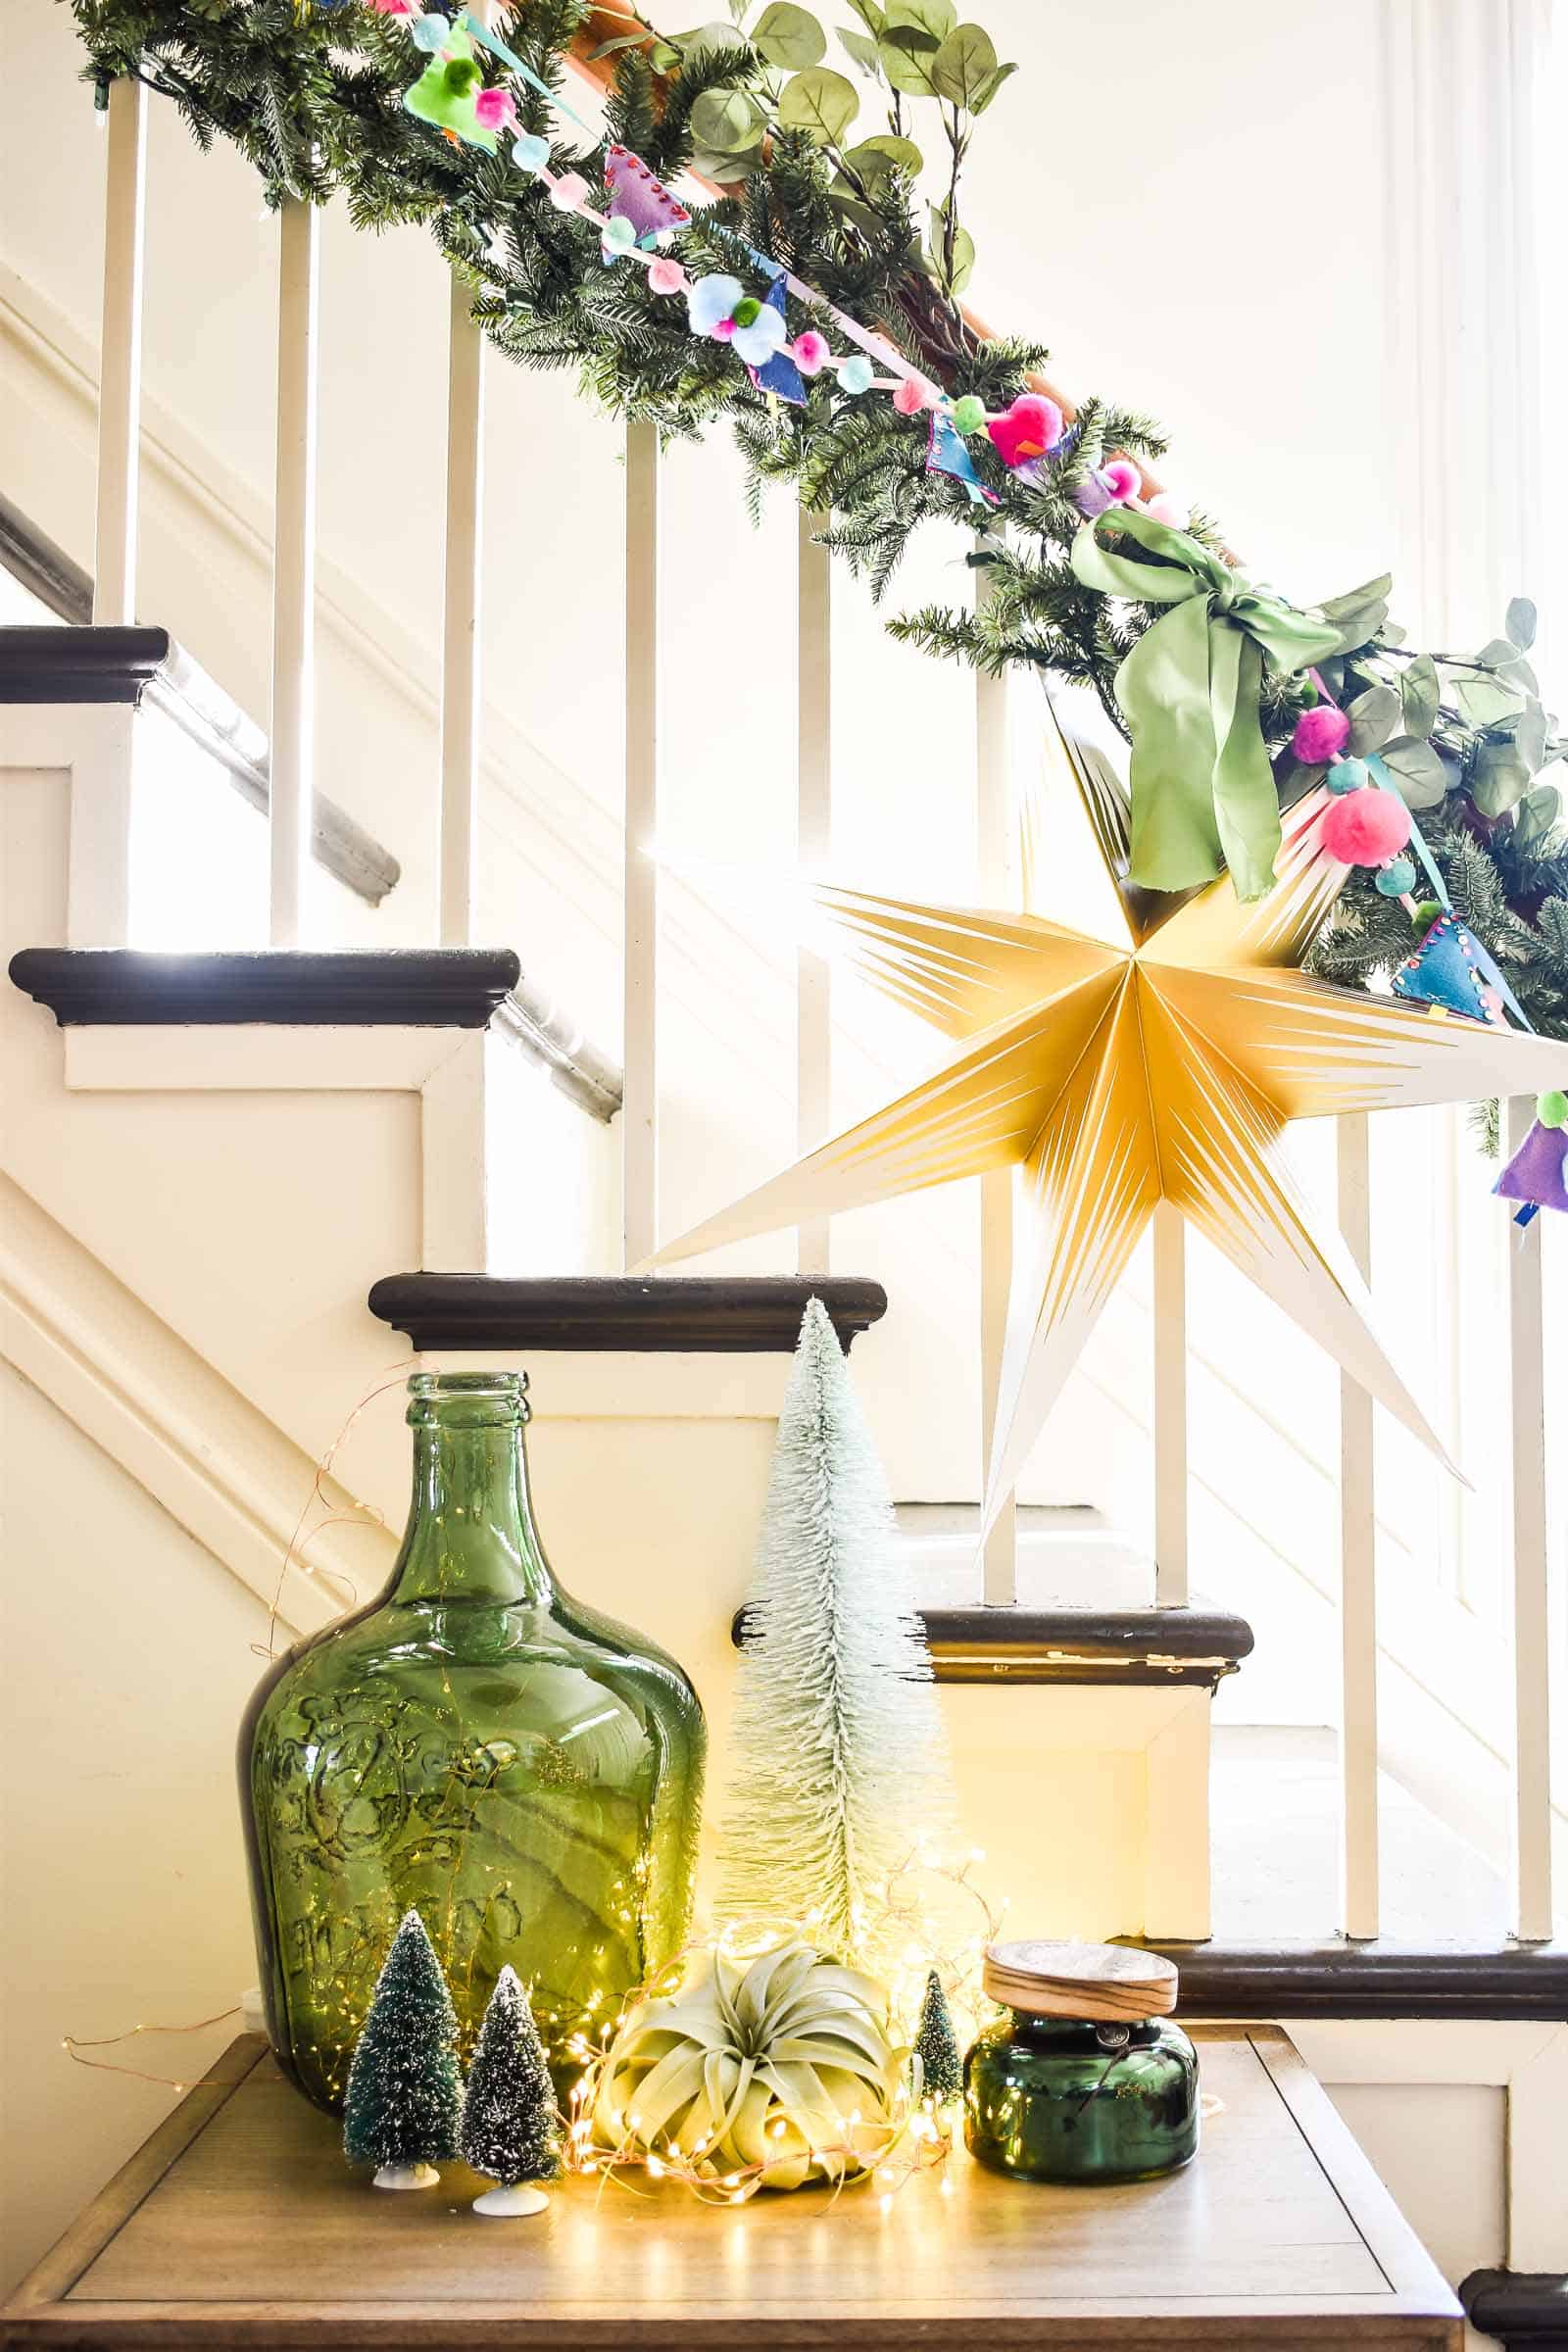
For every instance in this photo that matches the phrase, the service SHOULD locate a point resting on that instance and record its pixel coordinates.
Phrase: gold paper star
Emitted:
(1152, 1050)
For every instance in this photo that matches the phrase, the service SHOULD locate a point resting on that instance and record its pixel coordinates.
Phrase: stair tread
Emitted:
(457, 988)
(655, 1314)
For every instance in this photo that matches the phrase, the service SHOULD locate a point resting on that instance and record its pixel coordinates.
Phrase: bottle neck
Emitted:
(470, 1533)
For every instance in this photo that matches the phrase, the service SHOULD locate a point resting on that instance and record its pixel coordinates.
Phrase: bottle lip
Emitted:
(468, 1397)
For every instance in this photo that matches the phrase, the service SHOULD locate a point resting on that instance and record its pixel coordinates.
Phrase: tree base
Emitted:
(523, 2198)
(406, 2176)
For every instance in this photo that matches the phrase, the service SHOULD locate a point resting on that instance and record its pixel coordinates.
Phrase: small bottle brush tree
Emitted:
(510, 2129)
(840, 1758)
(935, 2045)
(405, 2092)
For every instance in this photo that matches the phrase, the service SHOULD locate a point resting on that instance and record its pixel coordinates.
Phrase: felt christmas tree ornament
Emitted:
(448, 91)
(405, 2093)
(778, 370)
(840, 1759)
(511, 2130)
(636, 195)
(1448, 970)
(1537, 1176)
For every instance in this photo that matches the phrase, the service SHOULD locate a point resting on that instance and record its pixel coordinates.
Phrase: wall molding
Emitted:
(217, 1465)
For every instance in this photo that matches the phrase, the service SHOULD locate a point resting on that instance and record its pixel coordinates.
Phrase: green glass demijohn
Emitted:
(476, 1746)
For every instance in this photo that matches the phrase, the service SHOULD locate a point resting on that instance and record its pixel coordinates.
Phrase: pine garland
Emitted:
(312, 95)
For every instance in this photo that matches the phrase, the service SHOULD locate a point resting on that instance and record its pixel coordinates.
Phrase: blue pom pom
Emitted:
(855, 375)
(710, 301)
(1396, 877)
(1348, 776)
(430, 32)
(755, 344)
(620, 233)
(529, 152)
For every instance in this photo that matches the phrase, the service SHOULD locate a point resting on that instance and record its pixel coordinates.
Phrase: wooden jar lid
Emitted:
(1103, 1984)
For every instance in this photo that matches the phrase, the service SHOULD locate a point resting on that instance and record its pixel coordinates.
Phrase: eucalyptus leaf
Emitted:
(821, 103)
(991, 87)
(870, 14)
(725, 121)
(788, 37)
(1371, 592)
(1499, 777)
(963, 267)
(708, 40)
(622, 40)
(934, 18)
(727, 171)
(1497, 653)
(665, 58)
(1530, 736)
(1421, 694)
(862, 49)
(1374, 718)
(1358, 625)
(963, 64)
(1536, 814)
(1521, 622)
(876, 159)
(907, 58)
(1420, 776)
(1487, 699)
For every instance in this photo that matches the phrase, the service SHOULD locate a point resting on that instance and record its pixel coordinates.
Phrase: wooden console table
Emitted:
(238, 2225)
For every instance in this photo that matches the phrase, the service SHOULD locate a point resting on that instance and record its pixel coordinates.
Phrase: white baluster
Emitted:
(992, 846)
(1358, 1622)
(293, 713)
(1532, 1643)
(1170, 1408)
(813, 844)
(114, 592)
(460, 644)
(639, 1101)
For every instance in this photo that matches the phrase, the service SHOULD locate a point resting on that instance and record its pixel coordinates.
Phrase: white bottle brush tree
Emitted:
(510, 2129)
(841, 1761)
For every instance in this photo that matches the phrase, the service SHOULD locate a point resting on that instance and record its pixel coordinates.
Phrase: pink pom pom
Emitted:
(1122, 479)
(1319, 733)
(809, 352)
(1165, 509)
(392, 8)
(1366, 827)
(495, 110)
(908, 398)
(666, 277)
(1031, 428)
(568, 191)
(723, 331)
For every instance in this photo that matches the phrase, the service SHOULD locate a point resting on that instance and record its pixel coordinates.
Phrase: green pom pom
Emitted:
(461, 75)
(1551, 1107)
(968, 414)
(747, 311)
(1426, 915)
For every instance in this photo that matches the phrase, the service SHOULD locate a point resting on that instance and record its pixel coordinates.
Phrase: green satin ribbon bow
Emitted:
(1202, 792)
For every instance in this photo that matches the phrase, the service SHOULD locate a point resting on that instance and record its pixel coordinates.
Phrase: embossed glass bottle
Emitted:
(522, 1771)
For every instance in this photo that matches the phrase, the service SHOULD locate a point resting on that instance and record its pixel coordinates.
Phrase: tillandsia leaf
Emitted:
(758, 2064)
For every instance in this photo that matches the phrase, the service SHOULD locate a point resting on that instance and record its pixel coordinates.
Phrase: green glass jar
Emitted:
(1056, 2099)
(477, 1746)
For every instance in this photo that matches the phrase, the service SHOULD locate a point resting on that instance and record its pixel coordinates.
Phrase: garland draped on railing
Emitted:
(314, 92)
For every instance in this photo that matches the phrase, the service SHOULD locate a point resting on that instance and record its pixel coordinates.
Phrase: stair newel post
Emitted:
(1170, 1408)
(639, 1105)
(813, 843)
(113, 595)
(994, 818)
(293, 703)
(1531, 1888)
(460, 644)
(1359, 1620)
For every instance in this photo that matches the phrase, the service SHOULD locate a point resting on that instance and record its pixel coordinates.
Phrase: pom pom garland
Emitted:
(968, 414)
(1348, 776)
(854, 374)
(1366, 827)
(1319, 733)
(1030, 429)
(621, 234)
(495, 110)
(1122, 479)
(666, 277)
(757, 339)
(1167, 509)
(809, 352)
(1397, 878)
(1551, 1107)
(568, 191)
(429, 34)
(710, 300)
(531, 153)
